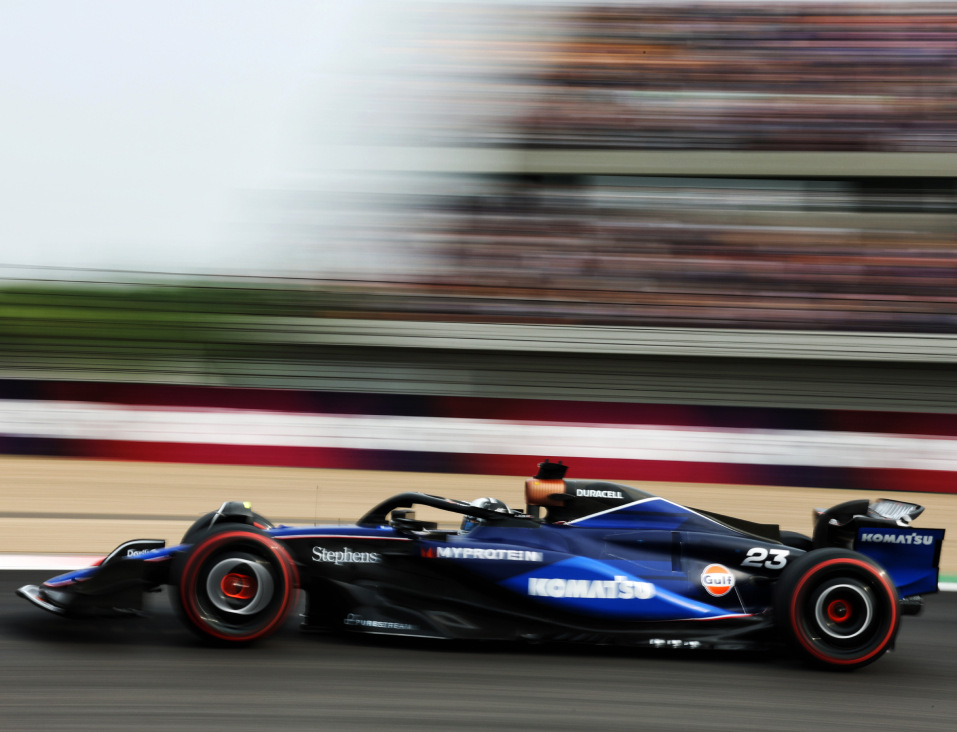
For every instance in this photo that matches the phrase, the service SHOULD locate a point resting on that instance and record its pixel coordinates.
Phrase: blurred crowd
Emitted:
(712, 74)
(739, 75)
(677, 253)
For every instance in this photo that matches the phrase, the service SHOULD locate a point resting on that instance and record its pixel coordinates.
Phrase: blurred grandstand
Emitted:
(582, 183)
(721, 177)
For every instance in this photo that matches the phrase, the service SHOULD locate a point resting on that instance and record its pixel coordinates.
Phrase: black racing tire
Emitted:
(206, 523)
(839, 608)
(235, 585)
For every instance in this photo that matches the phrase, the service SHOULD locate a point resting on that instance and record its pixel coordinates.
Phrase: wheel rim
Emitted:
(239, 586)
(844, 611)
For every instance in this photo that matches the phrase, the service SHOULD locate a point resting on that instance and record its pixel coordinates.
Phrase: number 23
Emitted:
(758, 557)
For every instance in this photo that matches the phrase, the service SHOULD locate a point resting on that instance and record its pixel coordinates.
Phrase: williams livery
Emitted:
(585, 561)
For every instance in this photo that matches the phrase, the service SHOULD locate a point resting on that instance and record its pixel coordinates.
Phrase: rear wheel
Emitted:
(236, 585)
(838, 607)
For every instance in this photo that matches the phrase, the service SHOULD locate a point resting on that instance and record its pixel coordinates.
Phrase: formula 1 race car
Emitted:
(606, 564)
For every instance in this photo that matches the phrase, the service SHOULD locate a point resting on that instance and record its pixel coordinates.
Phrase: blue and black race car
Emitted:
(585, 561)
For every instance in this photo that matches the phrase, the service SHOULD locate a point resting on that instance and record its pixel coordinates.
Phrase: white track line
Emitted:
(48, 562)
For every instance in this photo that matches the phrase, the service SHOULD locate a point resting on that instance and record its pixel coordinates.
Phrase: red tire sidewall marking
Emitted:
(195, 561)
(799, 627)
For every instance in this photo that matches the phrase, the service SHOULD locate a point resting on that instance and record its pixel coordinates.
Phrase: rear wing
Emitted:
(882, 530)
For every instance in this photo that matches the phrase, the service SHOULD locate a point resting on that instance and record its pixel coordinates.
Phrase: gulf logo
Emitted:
(717, 580)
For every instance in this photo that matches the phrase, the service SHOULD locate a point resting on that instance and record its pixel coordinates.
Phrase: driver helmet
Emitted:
(489, 504)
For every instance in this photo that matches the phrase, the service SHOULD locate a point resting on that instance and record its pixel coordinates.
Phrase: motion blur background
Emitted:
(710, 241)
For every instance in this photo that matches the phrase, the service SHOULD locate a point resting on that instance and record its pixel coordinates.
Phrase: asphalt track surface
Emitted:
(151, 674)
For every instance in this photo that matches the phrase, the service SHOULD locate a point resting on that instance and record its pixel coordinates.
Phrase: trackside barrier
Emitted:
(877, 451)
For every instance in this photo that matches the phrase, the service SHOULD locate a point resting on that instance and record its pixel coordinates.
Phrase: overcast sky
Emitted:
(135, 135)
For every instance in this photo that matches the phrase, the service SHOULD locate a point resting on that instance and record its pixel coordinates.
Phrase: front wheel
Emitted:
(236, 585)
(838, 607)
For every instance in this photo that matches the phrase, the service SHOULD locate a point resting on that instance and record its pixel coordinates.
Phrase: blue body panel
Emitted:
(608, 589)
(79, 575)
(332, 532)
(653, 513)
(621, 564)
(910, 556)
